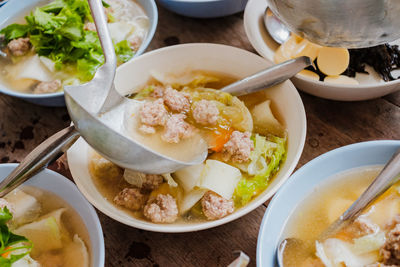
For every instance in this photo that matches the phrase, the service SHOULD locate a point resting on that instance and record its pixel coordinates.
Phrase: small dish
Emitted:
(204, 8)
(206, 57)
(16, 8)
(55, 183)
(305, 180)
(371, 86)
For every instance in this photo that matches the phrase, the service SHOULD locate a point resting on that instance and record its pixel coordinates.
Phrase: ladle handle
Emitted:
(386, 178)
(48, 151)
(269, 77)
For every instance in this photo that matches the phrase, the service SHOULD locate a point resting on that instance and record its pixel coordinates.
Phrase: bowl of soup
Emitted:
(254, 142)
(49, 223)
(50, 44)
(317, 194)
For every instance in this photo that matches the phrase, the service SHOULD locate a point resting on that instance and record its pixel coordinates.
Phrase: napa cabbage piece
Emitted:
(76, 253)
(189, 177)
(231, 108)
(56, 31)
(46, 233)
(265, 160)
(220, 178)
(27, 207)
(13, 247)
(264, 120)
(190, 199)
(190, 79)
(334, 252)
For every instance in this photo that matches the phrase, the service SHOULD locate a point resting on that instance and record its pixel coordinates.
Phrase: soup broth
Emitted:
(32, 223)
(176, 114)
(322, 207)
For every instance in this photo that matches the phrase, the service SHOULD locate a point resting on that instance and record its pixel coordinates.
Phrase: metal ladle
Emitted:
(389, 175)
(89, 103)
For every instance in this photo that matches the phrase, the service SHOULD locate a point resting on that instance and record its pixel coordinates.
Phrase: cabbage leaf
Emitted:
(264, 162)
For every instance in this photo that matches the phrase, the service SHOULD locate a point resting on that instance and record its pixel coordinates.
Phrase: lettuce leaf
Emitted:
(56, 30)
(10, 242)
(14, 31)
(265, 161)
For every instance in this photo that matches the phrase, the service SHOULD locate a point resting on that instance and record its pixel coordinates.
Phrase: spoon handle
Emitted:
(386, 178)
(48, 151)
(269, 77)
(389, 175)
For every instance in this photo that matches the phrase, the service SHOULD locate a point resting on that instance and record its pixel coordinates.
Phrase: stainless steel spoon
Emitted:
(276, 29)
(389, 175)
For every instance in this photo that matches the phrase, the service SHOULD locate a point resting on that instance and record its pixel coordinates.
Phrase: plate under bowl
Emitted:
(371, 86)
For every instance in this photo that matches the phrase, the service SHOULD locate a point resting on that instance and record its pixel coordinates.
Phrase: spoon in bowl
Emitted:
(276, 29)
(389, 175)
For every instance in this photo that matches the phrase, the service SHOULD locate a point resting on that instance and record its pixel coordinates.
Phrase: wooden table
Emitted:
(330, 125)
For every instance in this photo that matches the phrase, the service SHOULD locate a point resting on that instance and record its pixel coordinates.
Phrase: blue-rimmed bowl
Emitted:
(302, 183)
(15, 9)
(57, 184)
(204, 8)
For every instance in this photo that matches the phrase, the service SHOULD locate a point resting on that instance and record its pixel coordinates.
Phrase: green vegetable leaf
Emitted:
(142, 94)
(5, 215)
(123, 51)
(14, 31)
(56, 30)
(250, 185)
(10, 242)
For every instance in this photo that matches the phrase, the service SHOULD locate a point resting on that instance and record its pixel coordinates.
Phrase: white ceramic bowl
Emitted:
(16, 8)
(210, 57)
(371, 86)
(56, 183)
(304, 181)
(204, 8)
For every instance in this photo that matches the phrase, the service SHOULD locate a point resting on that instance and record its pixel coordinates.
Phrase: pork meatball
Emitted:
(216, 207)
(361, 226)
(158, 91)
(47, 87)
(176, 129)
(19, 47)
(89, 26)
(152, 181)
(161, 209)
(239, 147)
(175, 100)
(130, 198)
(391, 250)
(152, 114)
(205, 112)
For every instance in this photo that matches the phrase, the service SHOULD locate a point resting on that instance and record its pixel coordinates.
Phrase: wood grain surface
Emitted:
(331, 124)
